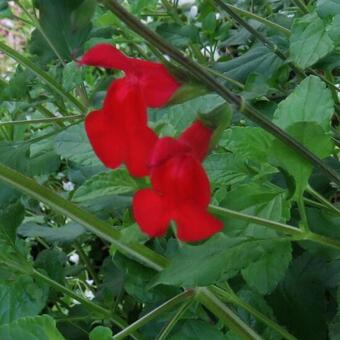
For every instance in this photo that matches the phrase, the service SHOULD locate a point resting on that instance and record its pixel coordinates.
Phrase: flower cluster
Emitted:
(119, 133)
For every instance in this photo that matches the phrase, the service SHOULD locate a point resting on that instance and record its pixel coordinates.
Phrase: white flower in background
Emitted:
(74, 258)
(147, 20)
(193, 12)
(207, 53)
(186, 2)
(68, 186)
(75, 302)
(28, 117)
(89, 282)
(89, 294)
(57, 114)
(218, 16)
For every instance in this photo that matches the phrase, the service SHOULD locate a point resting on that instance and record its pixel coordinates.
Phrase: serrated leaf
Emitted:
(311, 101)
(309, 41)
(262, 200)
(65, 234)
(219, 258)
(64, 26)
(257, 60)
(116, 182)
(265, 273)
(226, 168)
(182, 115)
(312, 136)
(179, 35)
(248, 142)
(20, 157)
(32, 328)
(73, 145)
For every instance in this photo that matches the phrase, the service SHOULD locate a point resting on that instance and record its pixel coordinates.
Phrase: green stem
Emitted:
(166, 306)
(47, 113)
(87, 262)
(277, 226)
(298, 234)
(89, 221)
(303, 215)
(168, 328)
(209, 300)
(323, 200)
(204, 77)
(300, 4)
(270, 45)
(93, 307)
(258, 18)
(225, 77)
(315, 204)
(45, 77)
(235, 300)
(42, 120)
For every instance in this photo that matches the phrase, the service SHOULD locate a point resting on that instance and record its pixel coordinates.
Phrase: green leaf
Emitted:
(180, 116)
(31, 328)
(196, 330)
(10, 219)
(72, 75)
(65, 234)
(309, 41)
(226, 168)
(20, 296)
(312, 136)
(258, 302)
(65, 24)
(265, 273)
(300, 300)
(328, 7)
(180, 36)
(219, 258)
(333, 29)
(248, 142)
(33, 160)
(311, 101)
(53, 262)
(258, 59)
(101, 333)
(73, 145)
(116, 182)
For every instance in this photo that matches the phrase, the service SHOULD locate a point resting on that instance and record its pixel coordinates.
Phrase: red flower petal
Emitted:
(198, 137)
(107, 56)
(166, 148)
(195, 224)
(139, 145)
(157, 83)
(182, 179)
(149, 212)
(107, 141)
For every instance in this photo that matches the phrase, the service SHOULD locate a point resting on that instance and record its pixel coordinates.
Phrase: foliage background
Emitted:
(58, 280)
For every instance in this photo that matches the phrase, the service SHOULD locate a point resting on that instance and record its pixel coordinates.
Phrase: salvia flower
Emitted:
(119, 132)
(180, 188)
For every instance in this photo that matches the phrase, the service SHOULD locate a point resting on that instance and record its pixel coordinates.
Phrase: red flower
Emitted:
(156, 83)
(180, 188)
(119, 132)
